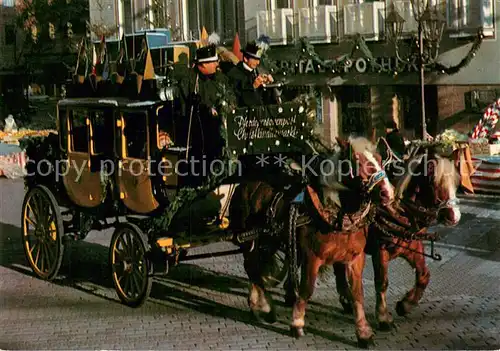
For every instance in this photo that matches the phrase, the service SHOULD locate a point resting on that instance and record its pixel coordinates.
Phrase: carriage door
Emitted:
(134, 177)
(82, 184)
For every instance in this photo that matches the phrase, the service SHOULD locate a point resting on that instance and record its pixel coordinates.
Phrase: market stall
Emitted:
(12, 157)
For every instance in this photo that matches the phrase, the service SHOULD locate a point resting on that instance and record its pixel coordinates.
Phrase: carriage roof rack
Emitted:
(117, 102)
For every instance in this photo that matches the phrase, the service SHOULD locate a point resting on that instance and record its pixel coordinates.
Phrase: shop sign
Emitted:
(358, 65)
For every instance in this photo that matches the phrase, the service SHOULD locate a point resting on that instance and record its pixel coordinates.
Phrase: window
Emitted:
(136, 135)
(282, 4)
(325, 2)
(319, 107)
(102, 132)
(10, 34)
(63, 129)
(166, 127)
(79, 131)
(8, 3)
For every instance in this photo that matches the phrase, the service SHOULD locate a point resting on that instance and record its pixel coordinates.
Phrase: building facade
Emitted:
(364, 97)
(10, 41)
(185, 18)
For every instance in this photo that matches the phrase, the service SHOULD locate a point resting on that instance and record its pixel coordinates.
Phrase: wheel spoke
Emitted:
(42, 266)
(137, 286)
(33, 248)
(126, 286)
(37, 254)
(30, 221)
(138, 278)
(130, 243)
(38, 208)
(46, 256)
(119, 254)
(51, 219)
(43, 210)
(51, 252)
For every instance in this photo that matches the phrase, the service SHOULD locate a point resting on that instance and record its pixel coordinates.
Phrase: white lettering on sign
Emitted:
(359, 65)
(262, 129)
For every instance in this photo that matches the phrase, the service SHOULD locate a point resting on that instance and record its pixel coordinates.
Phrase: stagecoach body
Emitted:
(111, 165)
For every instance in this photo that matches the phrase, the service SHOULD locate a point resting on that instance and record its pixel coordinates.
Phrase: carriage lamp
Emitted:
(431, 25)
(167, 93)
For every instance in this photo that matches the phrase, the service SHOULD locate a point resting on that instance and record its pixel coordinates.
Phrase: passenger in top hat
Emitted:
(247, 81)
(202, 95)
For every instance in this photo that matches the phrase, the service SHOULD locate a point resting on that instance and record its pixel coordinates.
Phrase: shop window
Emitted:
(79, 131)
(136, 135)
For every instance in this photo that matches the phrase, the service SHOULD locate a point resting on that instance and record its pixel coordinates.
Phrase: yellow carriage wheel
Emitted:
(130, 268)
(43, 230)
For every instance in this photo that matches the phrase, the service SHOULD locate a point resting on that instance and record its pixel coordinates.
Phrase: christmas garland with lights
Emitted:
(465, 61)
(306, 51)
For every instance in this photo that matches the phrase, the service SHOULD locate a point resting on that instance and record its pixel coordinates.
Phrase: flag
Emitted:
(237, 47)
(149, 70)
(204, 37)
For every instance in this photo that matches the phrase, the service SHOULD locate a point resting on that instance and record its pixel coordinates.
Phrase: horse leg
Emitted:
(342, 286)
(290, 297)
(422, 278)
(258, 299)
(310, 269)
(364, 332)
(380, 261)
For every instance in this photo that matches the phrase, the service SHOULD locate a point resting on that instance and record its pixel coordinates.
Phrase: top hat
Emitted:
(253, 50)
(207, 54)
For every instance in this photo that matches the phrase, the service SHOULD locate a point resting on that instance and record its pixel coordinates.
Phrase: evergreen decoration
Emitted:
(306, 51)
(465, 61)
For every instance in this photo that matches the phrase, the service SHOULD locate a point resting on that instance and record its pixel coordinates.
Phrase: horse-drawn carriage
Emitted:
(114, 163)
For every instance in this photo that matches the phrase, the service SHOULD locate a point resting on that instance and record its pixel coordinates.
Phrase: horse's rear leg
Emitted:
(345, 298)
(380, 261)
(422, 278)
(259, 300)
(310, 269)
(364, 332)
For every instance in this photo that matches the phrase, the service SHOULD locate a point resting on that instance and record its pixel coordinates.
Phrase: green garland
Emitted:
(465, 61)
(306, 51)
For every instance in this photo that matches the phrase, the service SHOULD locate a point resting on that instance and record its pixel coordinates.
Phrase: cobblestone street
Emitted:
(202, 305)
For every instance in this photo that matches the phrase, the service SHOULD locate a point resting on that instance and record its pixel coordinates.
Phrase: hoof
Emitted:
(402, 308)
(346, 305)
(271, 317)
(365, 343)
(297, 332)
(386, 326)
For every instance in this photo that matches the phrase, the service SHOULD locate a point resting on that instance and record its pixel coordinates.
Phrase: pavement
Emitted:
(202, 305)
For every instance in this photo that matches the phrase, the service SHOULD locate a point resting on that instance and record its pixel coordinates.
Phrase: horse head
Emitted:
(431, 182)
(357, 166)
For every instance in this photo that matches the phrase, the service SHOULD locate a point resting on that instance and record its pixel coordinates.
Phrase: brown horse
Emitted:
(346, 187)
(426, 189)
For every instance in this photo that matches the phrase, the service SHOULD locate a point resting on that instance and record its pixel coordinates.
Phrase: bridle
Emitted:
(428, 213)
(370, 183)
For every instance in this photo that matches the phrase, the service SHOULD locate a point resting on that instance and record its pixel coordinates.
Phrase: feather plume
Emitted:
(214, 39)
(263, 42)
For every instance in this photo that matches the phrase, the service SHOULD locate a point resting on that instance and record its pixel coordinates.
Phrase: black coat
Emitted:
(242, 82)
(396, 142)
(205, 128)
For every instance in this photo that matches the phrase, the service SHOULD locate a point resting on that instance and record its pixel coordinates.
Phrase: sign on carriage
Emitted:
(269, 129)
